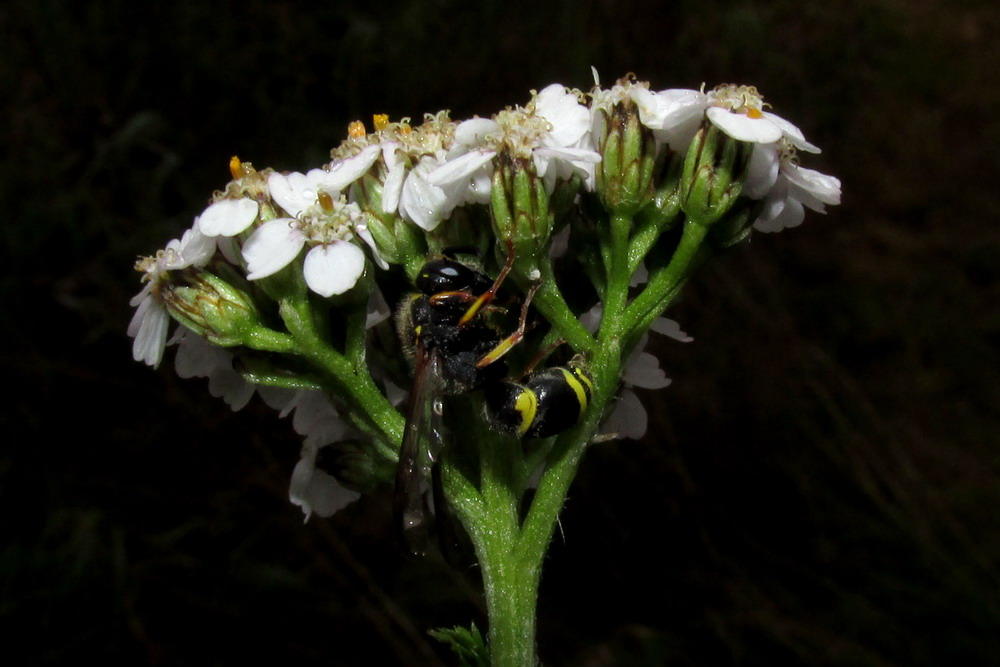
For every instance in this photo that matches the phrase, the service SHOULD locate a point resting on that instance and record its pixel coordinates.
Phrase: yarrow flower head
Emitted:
(553, 131)
(739, 112)
(333, 264)
(150, 323)
(794, 189)
(673, 115)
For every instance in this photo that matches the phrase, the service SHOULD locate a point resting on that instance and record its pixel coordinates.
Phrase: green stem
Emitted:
(491, 517)
(550, 303)
(267, 340)
(619, 276)
(357, 383)
(665, 284)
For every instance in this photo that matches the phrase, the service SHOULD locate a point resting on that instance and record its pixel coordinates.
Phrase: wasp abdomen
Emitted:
(548, 403)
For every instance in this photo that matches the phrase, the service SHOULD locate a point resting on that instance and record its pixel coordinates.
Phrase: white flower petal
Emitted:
(569, 154)
(293, 192)
(744, 128)
(151, 332)
(460, 168)
(334, 268)
(366, 236)
(629, 418)
(422, 203)
(347, 171)
(762, 171)
(643, 370)
(228, 217)
(311, 407)
(591, 320)
(272, 247)
(318, 492)
(472, 133)
(811, 187)
(675, 107)
(393, 185)
(645, 100)
(678, 115)
(137, 301)
(227, 384)
(378, 309)
(792, 133)
(570, 120)
(196, 357)
(774, 204)
(791, 215)
(276, 398)
(670, 328)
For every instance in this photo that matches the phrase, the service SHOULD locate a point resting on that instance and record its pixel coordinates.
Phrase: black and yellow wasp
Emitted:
(455, 349)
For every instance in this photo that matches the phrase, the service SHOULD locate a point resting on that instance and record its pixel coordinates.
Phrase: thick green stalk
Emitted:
(491, 517)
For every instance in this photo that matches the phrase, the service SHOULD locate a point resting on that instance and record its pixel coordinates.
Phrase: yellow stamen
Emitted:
(754, 113)
(356, 130)
(236, 168)
(325, 200)
(379, 121)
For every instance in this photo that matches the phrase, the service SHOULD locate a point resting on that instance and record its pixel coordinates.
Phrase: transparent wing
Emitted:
(420, 441)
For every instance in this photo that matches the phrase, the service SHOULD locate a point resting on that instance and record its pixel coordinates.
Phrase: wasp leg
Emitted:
(508, 343)
(490, 294)
(542, 354)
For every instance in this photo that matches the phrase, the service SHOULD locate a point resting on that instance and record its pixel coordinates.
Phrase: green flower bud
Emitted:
(628, 157)
(737, 225)
(355, 464)
(520, 208)
(367, 193)
(211, 307)
(714, 169)
(662, 208)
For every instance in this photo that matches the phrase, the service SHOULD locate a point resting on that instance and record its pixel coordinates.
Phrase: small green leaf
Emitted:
(468, 645)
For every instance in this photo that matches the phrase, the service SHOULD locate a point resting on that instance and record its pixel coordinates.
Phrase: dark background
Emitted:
(820, 484)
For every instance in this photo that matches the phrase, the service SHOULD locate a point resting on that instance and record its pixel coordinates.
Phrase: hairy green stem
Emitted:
(360, 388)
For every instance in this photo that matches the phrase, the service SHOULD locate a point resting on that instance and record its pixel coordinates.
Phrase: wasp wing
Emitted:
(420, 441)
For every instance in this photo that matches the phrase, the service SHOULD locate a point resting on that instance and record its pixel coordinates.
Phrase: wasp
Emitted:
(447, 330)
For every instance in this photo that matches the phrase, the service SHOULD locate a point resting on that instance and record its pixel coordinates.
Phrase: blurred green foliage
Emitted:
(818, 485)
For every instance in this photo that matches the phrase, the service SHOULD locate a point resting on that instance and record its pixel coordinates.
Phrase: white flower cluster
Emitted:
(427, 171)
(321, 221)
(674, 116)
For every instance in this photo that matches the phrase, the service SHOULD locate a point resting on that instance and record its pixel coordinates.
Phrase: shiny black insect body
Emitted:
(546, 403)
(454, 348)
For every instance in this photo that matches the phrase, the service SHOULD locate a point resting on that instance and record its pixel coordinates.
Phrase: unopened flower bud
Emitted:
(355, 464)
(714, 170)
(520, 206)
(211, 307)
(628, 152)
(367, 192)
(736, 225)
(662, 209)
